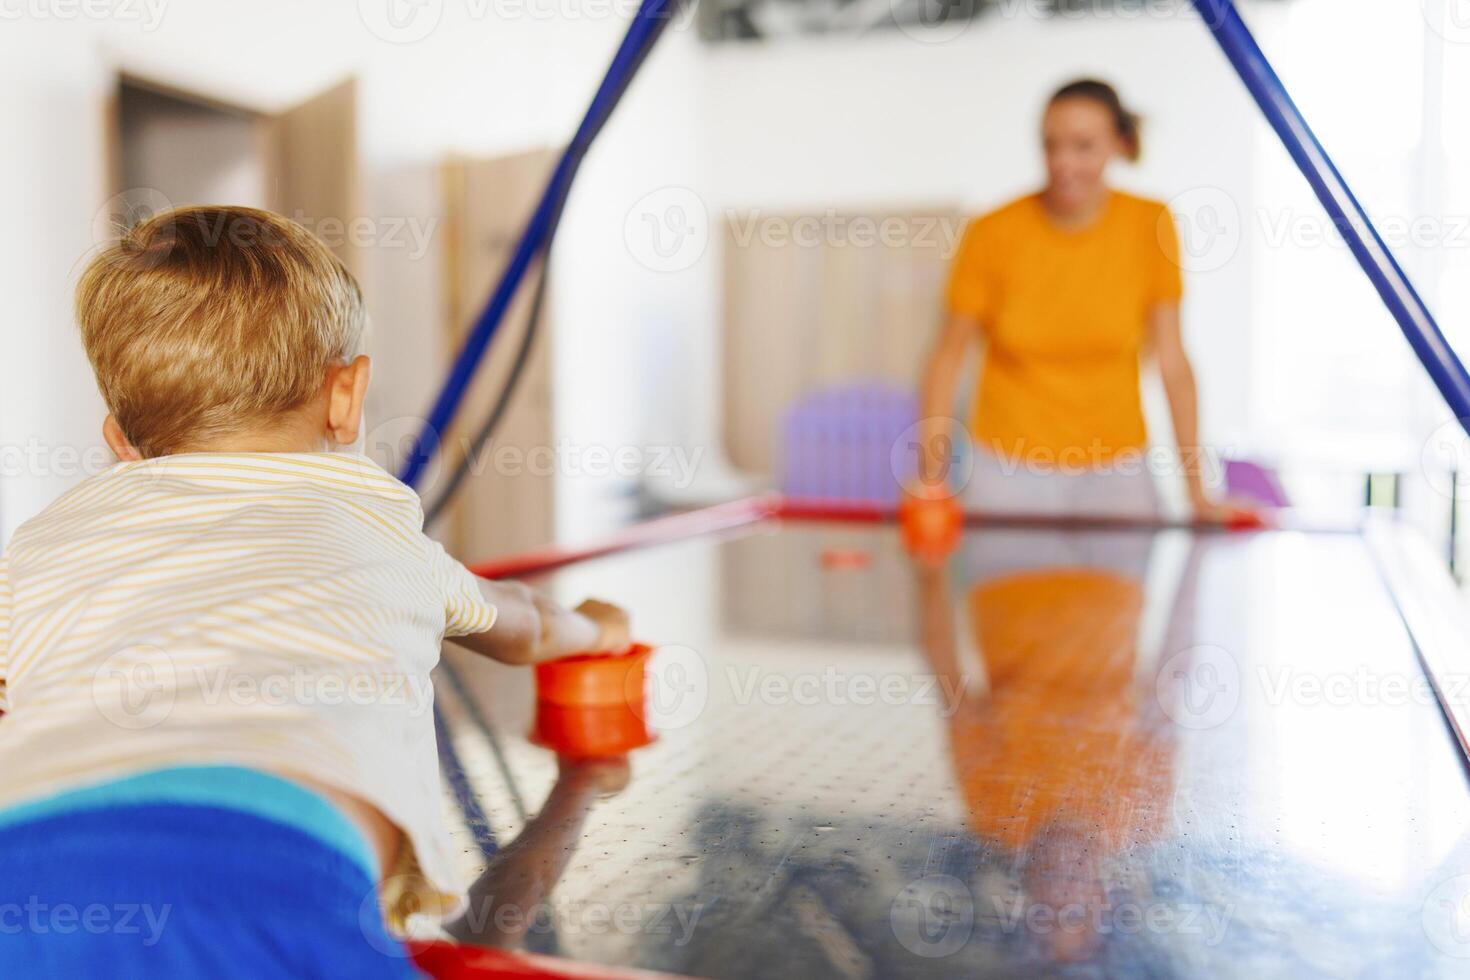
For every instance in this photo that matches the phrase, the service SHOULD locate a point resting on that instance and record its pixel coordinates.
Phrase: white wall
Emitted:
(1341, 391)
(635, 346)
(887, 120)
(49, 411)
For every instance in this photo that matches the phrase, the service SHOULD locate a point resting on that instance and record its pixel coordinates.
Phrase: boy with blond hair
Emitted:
(214, 655)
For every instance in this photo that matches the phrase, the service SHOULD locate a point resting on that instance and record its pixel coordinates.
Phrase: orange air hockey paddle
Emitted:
(584, 679)
(930, 526)
(593, 705)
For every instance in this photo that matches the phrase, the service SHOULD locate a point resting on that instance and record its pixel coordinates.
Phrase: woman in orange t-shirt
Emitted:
(1066, 290)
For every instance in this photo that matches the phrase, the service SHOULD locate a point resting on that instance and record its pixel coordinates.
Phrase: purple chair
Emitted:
(1251, 481)
(838, 443)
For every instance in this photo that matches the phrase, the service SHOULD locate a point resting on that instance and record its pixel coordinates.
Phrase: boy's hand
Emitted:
(530, 628)
(614, 632)
(602, 777)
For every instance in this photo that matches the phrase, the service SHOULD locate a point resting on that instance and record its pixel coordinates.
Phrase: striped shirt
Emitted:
(279, 611)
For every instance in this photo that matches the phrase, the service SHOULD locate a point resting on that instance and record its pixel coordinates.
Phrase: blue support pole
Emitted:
(647, 24)
(1367, 246)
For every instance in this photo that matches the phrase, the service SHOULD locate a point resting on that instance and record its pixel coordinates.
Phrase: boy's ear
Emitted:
(117, 441)
(347, 386)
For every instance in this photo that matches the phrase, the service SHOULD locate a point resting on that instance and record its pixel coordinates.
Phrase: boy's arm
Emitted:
(529, 628)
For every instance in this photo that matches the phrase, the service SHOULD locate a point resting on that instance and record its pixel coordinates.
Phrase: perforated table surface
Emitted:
(1066, 751)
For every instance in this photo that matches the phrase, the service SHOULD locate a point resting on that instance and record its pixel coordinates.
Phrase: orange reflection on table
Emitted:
(1066, 759)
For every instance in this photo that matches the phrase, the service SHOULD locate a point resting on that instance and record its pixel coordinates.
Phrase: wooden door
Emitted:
(509, 503)
(314, 169)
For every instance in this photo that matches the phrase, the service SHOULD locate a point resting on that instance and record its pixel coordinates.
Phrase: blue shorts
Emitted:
(199, 872)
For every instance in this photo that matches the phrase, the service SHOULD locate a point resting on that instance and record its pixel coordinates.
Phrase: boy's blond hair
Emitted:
(204, 321)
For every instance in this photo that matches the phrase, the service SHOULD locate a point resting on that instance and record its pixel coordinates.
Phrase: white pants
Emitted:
(999, 486)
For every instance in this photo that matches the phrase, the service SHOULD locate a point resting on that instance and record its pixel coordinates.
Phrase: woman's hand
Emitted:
(1166, 338)
(1229, 513)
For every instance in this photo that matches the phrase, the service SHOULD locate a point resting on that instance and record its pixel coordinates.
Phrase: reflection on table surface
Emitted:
(1070, 753)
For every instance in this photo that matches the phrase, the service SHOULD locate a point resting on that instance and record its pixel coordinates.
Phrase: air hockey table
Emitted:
(1067, 749)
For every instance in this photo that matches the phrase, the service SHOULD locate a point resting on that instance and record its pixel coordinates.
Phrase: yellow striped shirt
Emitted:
(280, 611)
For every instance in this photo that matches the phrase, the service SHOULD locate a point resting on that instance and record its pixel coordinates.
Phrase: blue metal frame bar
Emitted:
(1368, 247)
(648, 24)
(464, 794)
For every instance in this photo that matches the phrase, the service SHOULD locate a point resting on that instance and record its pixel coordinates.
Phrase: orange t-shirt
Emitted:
(1065, 317)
